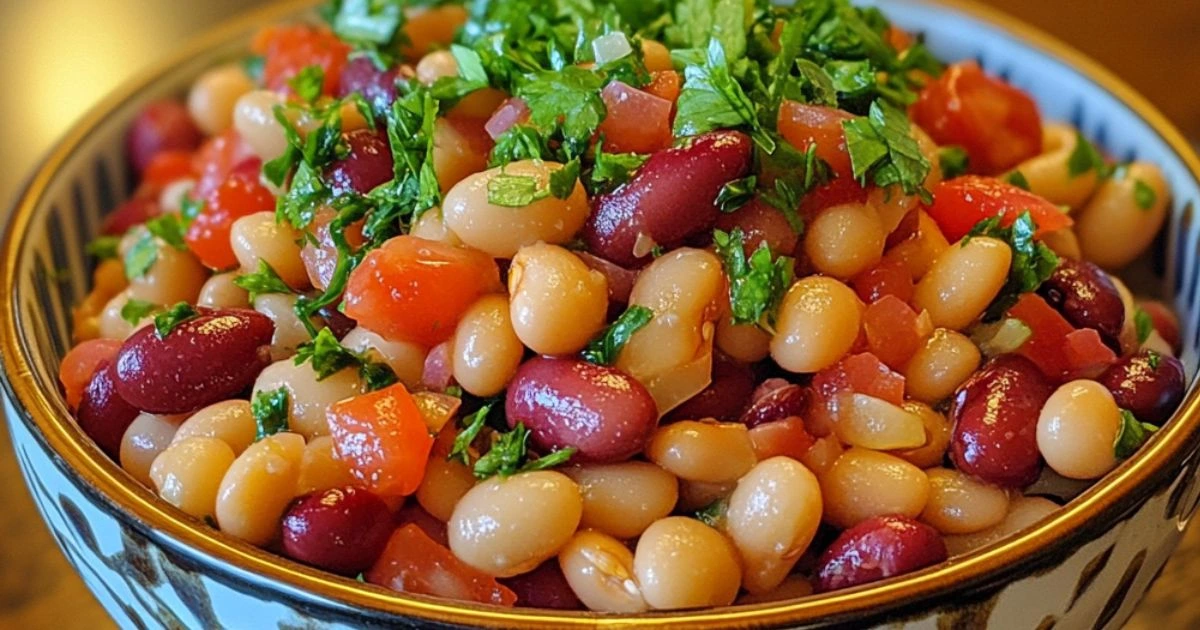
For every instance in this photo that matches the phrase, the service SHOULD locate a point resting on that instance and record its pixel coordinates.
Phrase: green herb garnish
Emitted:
(604, 349)
(170, 319)
(756, 284)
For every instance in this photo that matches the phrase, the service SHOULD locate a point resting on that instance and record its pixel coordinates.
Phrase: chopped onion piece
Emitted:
(643, 245)
(872, 423)
(673, 387)
(1001, 337)
(436, 409)
(611, 47)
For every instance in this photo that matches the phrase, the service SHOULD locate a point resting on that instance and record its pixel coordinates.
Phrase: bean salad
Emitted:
(618, 306)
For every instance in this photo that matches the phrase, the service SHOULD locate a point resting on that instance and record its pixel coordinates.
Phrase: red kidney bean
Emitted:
(367, 165)
(602, 411)
(1165, 322)
(774, 399)
(725, 397)
(413, 514)
(620, 280)
(202, 361)
(544, 587)
(876, 549)
(1146, 383)
(160, 126)
(103, 414)
(672, 197)
(1087, 298)
(361, 75)
(132, 212)
(761, 223)
(340, 530)
(995, 422)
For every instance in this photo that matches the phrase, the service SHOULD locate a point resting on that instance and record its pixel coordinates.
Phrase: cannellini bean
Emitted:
(818, 323)
(258, 487)
(1022, 512)
(289, 330)
(599, 569)
(844, 240)
(435, 65)
(742, 342)
(963, 281)
(110, 324)
(1049, 173)
(772, 518)
(864, 483)
(1077, 428)
(320, 469)
(219, 291)
(712, 452)
(259, 237)
(623, 499)
(230, 421)
(501, 231)
(1113, 228)
(486, 351)
(873, 423)
(146, 437)
(1064, 243)
(508, 526)
(940, 365)
(189, 473)
(558, 303)
(213, 96)
(308, 398)
(460, 147)
(175, 276)
(683, 563)
(961, 504)
(431, 227)
(406, 359)
(697, 495)
(254, 119)
(446, 481)
(937, 437)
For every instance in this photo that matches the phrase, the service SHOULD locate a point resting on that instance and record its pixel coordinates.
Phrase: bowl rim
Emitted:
(1053, 537)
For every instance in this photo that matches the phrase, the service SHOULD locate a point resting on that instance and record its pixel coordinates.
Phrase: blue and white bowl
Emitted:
(150, 565)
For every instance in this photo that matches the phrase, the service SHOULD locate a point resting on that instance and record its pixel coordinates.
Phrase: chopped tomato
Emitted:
(216, 159)
(787, 437)
(805, 125)
(478, 105)
(997, 124)
(1059, 351)
(1165, 322)
(888, 277)
(961, 203)
(413, 562)
(134, 211)
(636, 122)
(412, 289)
(429, 28)
(289, 49)
(898, 38)
(915, 243)
(861, 373)
(760, 222)
(665, 84)
(511, 112)
(383, 437)
(241, 194)
(78, 367)
(168, 167)
(411, 513)
(894, 330)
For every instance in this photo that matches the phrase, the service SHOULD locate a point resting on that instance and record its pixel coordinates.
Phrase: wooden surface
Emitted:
(63, 55)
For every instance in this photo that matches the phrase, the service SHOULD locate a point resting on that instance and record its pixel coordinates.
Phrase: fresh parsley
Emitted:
(263, 280)
(953, 160)
(711, 98)
(308, 83)
(328, 357)
(604, 349)
(1153, 359)
(1144, 325)
(756, 284)
(1086, 157)
(171, 318)
(737, 193)
(713, 514)
(1132, 435)
(883, 150)
(103, 247)
(473, 425)
(1017, 178)
(610, 170)
(141, 256)
(136, 310)
(565, 103)
(1143, 195)
(1032, 261)
(509, 456)
(270, 411)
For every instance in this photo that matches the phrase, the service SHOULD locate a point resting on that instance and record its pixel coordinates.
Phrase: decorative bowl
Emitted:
(150, 565)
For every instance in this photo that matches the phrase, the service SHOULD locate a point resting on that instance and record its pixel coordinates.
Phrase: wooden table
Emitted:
(59, 56)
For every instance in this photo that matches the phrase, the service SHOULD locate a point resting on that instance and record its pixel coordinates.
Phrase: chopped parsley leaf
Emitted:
(567, 102)
(263, 280)
(605, 347)
(713, 514)
(168, 228)
(1086, 157)
(711, 99)
(308, 83)
(514, 191)
(953, 160)
(1017, 178)
(367, 23)
(508, 455)
(270, 411)
(253, 65)
(1144, 325)
(141, 256)
(472, 426)
(1144, 195)
(170, 319)
(189, 209)
(520, 142)
(737, 193)
(610, 170)
(1153, 359)
(328, 357)
(1032, 261)
(103, 247)
(883, 150)
(1132, 435)
(136, 310)
(563, 180)
(756, 284)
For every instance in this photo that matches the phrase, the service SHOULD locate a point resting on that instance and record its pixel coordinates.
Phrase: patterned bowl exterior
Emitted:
(152, 566)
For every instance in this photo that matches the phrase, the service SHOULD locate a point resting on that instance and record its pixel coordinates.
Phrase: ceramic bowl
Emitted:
(150, 565)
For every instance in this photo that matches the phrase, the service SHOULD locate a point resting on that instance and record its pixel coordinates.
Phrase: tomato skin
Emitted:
(413, 562)
(665, 84)
(216, 158)
(961, 203)
(412, 289)
(804, 125)
(894, 330)
(1059, 350)
(787, 437)
(80, 364)
(383, 437)
(168, 167)
(637, 121)
(998, 125)
(290, 49)
(241, 194)
(889, 277)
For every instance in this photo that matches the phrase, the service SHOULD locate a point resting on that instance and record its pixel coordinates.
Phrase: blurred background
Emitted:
(62, 56)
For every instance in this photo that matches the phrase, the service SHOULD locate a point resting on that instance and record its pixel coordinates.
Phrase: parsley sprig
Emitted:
(1032, 261)
(757, 283)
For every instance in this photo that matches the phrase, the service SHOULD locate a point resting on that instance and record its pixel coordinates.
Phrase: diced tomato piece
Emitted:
(961, 203)
(997, 124)
(636, 122)
(511, 112)
(805, 125)
(1045, 346)
(426, 28)
(383, 437)
(412, 289)
(413, 562)
(134, 211)
(289, 49)
(665, 84)
(78, 367)
(241, 194)
(1165, 322)
(898, 38)
(412, 513)
(888, 277)
(761, 222)
(1086, 355)
(168, 167)
(894, 330)
(216, 159)
(479, 104)
(861, 373)
(787, 437)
